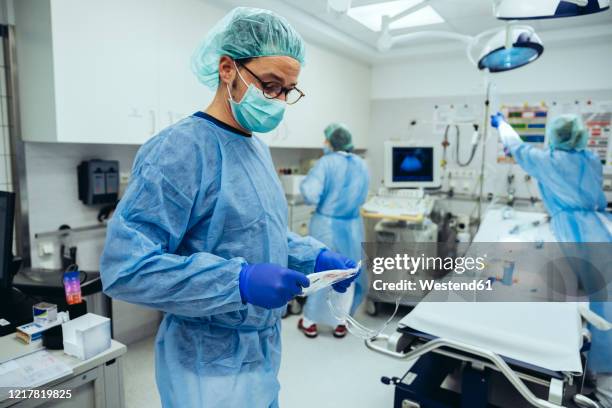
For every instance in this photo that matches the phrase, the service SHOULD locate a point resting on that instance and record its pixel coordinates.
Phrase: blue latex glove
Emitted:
(328, 260)
(497, 119)
(270, 285)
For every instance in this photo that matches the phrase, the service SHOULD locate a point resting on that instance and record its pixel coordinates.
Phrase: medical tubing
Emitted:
(353, 326)
(458, 134)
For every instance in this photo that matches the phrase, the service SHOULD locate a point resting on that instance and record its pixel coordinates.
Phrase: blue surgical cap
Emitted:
(339, 137)
(567, 132)
(245, 33)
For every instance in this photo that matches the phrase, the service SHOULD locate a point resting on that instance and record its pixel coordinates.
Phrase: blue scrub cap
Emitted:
(245, 33)
(339, 137)
(567, 132)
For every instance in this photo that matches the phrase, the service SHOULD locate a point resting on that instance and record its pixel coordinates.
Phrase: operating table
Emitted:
(490, 354)
(486, 364)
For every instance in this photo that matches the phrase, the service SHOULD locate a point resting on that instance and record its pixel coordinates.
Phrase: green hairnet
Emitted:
(245, 33)
(567, 132)
(339, 137)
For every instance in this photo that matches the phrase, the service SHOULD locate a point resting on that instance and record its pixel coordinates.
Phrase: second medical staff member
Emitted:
(201, 232)
(337, 185)
(570, 182)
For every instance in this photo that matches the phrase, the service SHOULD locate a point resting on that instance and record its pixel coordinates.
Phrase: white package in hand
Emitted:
(325, 279)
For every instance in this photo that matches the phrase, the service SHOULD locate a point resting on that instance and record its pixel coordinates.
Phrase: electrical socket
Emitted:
(124, 178)
(45, 249)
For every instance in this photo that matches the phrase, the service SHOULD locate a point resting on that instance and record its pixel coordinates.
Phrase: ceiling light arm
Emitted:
(386, 41)
(446, 35)
(475, 41)
(389, 41)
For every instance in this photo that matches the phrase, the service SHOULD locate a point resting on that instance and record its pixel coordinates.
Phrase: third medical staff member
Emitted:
(201, 232)
(337, 185)
(570, 182)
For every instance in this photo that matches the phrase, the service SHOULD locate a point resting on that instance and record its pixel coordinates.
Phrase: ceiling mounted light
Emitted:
(544, 9)
(512, 48)
(507, 48)
(400, 14)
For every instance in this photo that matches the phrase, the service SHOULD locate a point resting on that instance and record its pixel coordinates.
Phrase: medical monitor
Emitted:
(7, 214)
(411, 166)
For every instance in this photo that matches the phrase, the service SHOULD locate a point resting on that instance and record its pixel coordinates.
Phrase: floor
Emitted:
(322, 372)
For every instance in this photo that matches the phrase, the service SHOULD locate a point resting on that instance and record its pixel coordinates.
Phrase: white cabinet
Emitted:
(108, 71)
(185, 24)
(99, 61)
(118, 71)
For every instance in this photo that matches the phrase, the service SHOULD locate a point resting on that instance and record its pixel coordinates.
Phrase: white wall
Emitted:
(337, 90)
(53, 195)
(409, 91)
(575, 68)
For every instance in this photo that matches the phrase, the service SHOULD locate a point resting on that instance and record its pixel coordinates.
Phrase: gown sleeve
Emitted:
(303, 252)
(535, 161)
(312, 186)
(139, 263)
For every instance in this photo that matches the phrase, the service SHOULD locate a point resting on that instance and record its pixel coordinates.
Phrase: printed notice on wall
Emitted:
(598, 119)
(529, 121)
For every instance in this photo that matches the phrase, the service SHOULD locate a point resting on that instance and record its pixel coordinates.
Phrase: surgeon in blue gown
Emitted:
(201, 231)
(338, 186)
(570, 181)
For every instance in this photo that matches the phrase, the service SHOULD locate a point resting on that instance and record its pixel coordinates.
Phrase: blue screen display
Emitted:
(413, 164)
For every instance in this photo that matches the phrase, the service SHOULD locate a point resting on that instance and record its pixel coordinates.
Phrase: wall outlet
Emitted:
(46, 249)
(607, 184)
(124, 178)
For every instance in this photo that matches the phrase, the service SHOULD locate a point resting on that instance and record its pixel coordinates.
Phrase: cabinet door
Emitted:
(105, 55)
(185, 24)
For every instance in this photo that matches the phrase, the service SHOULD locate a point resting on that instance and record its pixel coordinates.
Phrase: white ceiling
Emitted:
(468, 17)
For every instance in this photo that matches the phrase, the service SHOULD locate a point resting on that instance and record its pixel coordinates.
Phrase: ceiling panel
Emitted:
(468, 17)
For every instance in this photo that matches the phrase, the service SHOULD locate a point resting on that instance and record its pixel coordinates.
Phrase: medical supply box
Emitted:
(87, 336)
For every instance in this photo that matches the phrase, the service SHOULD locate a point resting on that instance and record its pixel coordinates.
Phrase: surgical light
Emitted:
(512, 48)
(507, 48)
(543, 9)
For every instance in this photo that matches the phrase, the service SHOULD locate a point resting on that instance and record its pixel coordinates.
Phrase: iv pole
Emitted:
(485, 128)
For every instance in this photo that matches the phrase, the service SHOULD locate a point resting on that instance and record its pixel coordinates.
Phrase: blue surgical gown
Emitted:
(338, 186)
(204, 200)
(570, 183)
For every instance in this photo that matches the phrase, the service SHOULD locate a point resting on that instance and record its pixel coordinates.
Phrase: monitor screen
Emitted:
(7, 208)
(412, 164)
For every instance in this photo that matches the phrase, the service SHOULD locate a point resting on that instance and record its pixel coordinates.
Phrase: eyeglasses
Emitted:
(273, 90)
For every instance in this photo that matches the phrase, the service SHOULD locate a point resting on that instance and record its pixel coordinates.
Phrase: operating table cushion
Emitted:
(546, 335)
